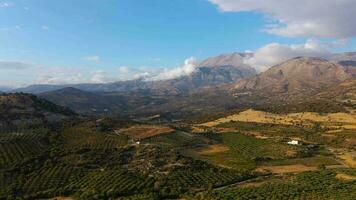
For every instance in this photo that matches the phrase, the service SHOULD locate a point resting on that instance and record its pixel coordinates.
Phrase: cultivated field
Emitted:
(140, 132)
(306, 119)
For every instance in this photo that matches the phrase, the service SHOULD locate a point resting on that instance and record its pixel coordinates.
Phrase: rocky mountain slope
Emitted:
(296, 76)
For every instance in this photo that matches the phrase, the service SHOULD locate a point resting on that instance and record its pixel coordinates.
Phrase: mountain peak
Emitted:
(232, 59)
(297, 75)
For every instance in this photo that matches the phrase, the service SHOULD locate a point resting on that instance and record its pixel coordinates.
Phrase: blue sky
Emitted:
(106, 36)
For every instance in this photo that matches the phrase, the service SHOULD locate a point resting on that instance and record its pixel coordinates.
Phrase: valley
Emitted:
(275, 135)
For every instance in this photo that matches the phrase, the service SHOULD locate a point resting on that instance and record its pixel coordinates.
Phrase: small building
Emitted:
(293, 142)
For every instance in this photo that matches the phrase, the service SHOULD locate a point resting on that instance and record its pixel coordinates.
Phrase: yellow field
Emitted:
(285, 169)
(345, 177)
(333, 120)
(349, 159)
(140, 132)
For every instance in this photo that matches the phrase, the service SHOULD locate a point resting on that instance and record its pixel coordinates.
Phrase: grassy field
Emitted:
(306, 119)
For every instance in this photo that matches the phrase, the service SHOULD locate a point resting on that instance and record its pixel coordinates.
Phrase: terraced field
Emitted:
(82, 137)
(308, 185)
(114, 182)
(16, 147)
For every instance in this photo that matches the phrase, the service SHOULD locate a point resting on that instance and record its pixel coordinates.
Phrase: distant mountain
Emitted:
(27, 109)
(82, 101)
(214, 71)
(5, 89)
(36, 89)
(296, 76)
(233, 59)
(339, 57)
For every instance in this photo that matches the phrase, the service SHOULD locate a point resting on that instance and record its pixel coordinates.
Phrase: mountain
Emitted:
(302, 75)
(82, 101)
(339, 57)
(344, 92)
(233, 59)
(5, 89)
(27, 109)
(348, 60)
(36, 89)
(214, 71)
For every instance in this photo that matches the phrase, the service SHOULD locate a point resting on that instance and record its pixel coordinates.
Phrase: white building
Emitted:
(293, 142)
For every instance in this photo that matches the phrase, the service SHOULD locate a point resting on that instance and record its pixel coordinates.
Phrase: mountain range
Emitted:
(211, 72)
(219, 83)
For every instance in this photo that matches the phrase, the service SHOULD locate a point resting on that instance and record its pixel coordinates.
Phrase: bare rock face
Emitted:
(298, 75)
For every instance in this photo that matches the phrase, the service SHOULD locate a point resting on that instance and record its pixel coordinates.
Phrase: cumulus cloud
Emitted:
(272, 54)
(38, 74)
(14, 65)
(5, 4)
(94, 59)
(188, 68)
(300, 18)
(101, 76)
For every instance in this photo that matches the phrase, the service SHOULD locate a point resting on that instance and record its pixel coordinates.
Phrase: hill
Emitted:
(82, 101)
(344, 92)
(27, 109)
(298, 76)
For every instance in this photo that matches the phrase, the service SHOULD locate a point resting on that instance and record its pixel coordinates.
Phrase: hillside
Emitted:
(299, 76)
(83, 102)
(26, 109)
(344, 92)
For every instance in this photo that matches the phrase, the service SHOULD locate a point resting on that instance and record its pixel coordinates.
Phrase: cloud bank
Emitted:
(37, 74)
(274, 53)
(300, 18)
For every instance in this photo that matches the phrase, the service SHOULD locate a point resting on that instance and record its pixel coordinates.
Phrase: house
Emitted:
(293, 142)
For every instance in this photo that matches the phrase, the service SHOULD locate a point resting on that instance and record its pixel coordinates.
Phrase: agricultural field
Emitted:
(93, 160)
(18, 146)
(308, 185)
(306, 119)
(139, 132)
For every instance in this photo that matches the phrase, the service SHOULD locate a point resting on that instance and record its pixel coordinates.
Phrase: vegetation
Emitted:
(310, 185)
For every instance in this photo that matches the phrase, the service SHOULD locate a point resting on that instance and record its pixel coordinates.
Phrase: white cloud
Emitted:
(272, 54)
(38, 74)
(95, 59)
(124, 69)
(301, 18)
(5, 4)
(188, 68)
(44, 27)
(100, 76)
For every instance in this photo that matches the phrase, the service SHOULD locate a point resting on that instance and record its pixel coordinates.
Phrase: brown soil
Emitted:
(212, 149)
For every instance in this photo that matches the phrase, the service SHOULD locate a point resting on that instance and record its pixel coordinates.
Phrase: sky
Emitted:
(98, 41)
